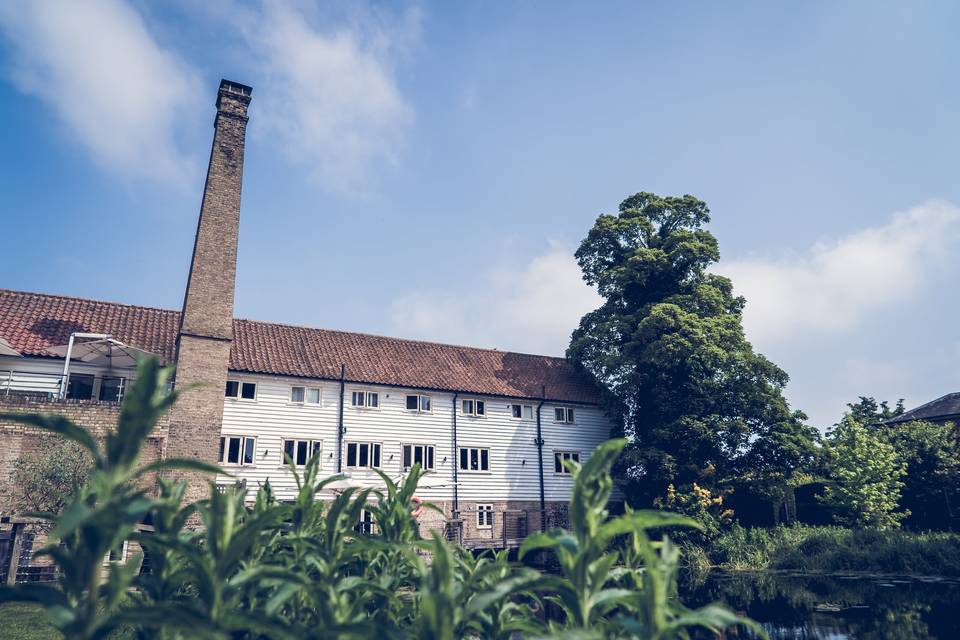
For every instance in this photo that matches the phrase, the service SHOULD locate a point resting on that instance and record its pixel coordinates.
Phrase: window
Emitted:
(474, 408)
(366, 526)
(474, 459)
(300, 451)
(111, 389)
(563, 414)
(421, 454)
(305, 395)
(560, 456)
(80, 386)
(242, 390)
(117, 555)
(237, 450)
(417, 402)
(484, 516)
(522, 411)
(369, 399)
(363, 454)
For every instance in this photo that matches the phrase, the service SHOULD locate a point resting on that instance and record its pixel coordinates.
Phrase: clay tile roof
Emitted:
(31, 322)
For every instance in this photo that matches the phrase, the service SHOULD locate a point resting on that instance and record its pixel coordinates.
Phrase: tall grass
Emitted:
(837, 549)
(301, 570)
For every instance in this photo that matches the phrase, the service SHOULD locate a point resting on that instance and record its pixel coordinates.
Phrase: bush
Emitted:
(301, 570)
(837, 549)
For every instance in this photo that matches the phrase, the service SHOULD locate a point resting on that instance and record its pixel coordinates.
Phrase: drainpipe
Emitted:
(340, 429)
(455, 458)
(539, 443)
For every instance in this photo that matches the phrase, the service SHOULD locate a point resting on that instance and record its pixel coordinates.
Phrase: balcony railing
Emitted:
(499, 529)
(81, 386)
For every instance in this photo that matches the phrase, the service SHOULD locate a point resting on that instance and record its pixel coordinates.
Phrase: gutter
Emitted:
(455, 459)
(340, 429)
(539, 443)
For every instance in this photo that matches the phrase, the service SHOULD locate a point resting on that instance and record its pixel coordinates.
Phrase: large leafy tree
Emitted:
(696, 402)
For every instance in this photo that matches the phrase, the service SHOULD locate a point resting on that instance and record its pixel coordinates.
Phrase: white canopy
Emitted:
(6, 349)
(105, 352)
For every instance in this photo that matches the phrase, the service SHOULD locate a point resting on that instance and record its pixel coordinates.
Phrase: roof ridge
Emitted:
(412, 340)
(931, 402)
(93, 300)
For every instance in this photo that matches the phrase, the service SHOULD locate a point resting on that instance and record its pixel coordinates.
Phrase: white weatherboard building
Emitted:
(491, 427)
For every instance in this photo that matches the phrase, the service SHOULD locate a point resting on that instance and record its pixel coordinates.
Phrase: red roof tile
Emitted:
(32, 322)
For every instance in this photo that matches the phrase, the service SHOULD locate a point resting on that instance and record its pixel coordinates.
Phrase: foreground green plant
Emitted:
(305, 569)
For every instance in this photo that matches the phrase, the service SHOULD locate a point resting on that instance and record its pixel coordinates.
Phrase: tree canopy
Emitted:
(694, 399)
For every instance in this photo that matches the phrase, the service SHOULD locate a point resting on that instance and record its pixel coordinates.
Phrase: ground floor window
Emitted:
(484, 516)
(367, 526)
(300, 451)
(474, 459)
(237, 450)
(421, 454)
(560, 456)
(363, 454)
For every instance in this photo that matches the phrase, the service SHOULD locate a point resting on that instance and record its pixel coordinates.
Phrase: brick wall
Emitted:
(20, 441)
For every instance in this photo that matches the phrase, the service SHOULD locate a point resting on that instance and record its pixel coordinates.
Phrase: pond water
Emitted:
(836, 607)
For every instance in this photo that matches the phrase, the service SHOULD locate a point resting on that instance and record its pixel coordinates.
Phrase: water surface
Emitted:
(836, 607)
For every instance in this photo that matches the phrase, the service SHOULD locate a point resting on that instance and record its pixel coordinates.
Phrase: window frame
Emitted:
(371, 444)
(522, 406)
(124, 551)
(296, 440)
(475, 403)
(569, 415)
(420, 397)
(485, 515)
(469, 450)
(558, 458)
(121, 388)
(365, 394)
(306, 394)
(413, 446)
(240, 384)
(225, 450)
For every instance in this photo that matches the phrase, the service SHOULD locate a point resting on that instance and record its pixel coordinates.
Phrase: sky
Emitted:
(427, 170)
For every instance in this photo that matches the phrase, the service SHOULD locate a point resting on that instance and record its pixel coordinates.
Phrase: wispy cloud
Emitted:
(533, 309)
(835, 285)
(329, 96)
(117, 90)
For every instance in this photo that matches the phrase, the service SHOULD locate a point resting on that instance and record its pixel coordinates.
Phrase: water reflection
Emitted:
(836, 608)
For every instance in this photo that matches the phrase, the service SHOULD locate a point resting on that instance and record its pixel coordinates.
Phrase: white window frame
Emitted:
(371, 444)
(420, 398)
(365, 395)
(485, 516)
(565, 454)
(225, 450)
(124, 549)
(239, 397)
(474, 411)
(470, 451)
(313, 446)
(413, 446)
(306, 391)
(524, 408)
(568, 415)
(367, 525)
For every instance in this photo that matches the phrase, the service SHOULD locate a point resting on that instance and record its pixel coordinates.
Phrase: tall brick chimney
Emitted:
(206, 324)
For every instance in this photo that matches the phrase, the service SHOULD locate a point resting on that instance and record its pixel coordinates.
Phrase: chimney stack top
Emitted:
(235, 88)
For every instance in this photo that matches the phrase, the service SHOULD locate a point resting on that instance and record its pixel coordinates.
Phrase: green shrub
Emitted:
(301, 570)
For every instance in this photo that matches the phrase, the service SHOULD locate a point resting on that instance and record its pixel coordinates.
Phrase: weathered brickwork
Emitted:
(22, 441)
(206, 324)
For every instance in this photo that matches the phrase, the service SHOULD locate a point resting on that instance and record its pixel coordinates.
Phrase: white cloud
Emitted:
(835, 285)
(533, 309)
(329, 96)
(116, 89)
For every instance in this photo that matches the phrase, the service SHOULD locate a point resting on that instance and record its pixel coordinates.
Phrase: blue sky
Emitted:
(426, 170)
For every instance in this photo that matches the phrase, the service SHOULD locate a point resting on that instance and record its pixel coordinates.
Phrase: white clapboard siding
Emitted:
(513, 453)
